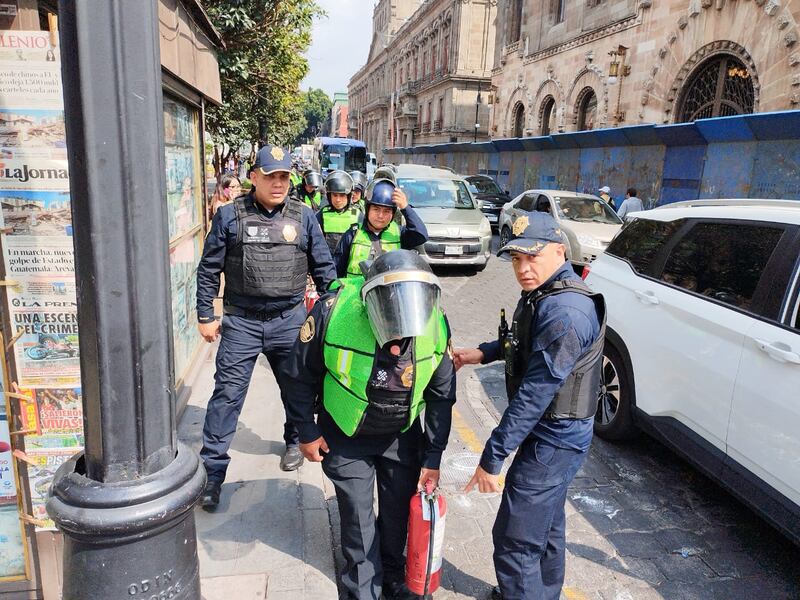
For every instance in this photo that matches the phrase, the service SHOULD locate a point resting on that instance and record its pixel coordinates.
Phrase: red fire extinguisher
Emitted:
(426, 521)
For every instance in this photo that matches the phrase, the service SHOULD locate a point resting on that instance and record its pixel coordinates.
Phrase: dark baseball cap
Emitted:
(272, 159)
(532, 231)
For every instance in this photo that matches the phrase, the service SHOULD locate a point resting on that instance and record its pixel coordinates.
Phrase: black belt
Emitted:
(257, 315)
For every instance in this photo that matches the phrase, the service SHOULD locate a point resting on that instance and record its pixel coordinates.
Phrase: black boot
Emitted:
(292, 459)
(397, 590)
(210, 498)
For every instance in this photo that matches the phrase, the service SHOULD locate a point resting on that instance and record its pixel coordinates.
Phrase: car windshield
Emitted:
(586, 210)
(486, 186)
(436, 193)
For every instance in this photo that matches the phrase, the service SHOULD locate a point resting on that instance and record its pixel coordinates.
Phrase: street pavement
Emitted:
(641, 523)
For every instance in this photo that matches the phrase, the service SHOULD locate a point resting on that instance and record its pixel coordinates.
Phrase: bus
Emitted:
(332, 153)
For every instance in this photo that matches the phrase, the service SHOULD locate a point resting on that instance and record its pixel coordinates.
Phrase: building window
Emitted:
(558, 10)
(424, 64)
(515, 22)
(587, 109)
(519, 120)
(548, 115)
(445, 65)
(721, 87)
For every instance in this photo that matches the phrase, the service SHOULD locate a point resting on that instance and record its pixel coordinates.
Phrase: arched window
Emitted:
(515, 22)
(587, 109)
(720, 87)
(519, 120)
(548, 115)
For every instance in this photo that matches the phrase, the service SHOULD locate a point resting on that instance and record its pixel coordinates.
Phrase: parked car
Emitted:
(588, 223)
(490, 197)
(703, 343)
(459, 233)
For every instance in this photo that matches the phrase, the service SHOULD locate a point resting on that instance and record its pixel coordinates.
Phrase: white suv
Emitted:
(703, 343)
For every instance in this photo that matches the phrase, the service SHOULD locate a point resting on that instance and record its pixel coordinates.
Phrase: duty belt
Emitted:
(257, 315)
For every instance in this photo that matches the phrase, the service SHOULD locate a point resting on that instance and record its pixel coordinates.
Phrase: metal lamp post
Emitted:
(124, 504)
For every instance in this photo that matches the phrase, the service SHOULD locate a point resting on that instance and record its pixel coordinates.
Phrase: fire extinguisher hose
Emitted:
(432, 506)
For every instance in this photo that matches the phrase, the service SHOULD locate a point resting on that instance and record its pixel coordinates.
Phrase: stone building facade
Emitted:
(428, 64)
(575, 65)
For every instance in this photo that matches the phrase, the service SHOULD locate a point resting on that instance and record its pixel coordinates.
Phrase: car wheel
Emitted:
(505, 236)
(614, 418)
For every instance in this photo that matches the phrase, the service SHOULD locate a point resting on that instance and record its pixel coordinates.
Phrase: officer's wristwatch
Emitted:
(204, 320)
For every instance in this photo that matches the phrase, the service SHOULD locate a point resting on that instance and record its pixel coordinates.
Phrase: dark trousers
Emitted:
(529, 532)
(372, 549)
(241, 342)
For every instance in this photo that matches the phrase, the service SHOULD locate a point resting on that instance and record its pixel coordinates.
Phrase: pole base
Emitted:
(132, 540)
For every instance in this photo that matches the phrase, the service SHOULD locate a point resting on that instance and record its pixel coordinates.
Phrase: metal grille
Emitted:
(722, 87)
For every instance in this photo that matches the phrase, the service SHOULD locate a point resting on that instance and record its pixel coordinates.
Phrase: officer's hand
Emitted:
(426, 475)
(313, 451)
(486, 482)
(466, 356)
(209, 331)
(399, 198)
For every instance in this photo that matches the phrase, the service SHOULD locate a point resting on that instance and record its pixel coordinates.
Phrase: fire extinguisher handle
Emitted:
(429, 487)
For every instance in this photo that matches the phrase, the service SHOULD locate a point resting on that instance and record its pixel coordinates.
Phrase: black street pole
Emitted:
(124, 504)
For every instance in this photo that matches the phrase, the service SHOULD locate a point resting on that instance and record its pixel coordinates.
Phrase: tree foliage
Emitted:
(316, 107)
(261, 68)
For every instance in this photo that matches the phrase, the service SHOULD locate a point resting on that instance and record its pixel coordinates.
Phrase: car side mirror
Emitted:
(480, 203)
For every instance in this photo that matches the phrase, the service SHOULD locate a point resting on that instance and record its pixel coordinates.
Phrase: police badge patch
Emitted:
(289, 233)
(308, 330)
(277, 153)
(520, 225)
(408, 376)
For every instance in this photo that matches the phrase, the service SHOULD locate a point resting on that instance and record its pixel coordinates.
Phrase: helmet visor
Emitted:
(402, 304)
(314, 180)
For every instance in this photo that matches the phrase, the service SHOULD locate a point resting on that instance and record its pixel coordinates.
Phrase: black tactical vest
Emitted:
(389, 393)
(266, 261)
(577, 398)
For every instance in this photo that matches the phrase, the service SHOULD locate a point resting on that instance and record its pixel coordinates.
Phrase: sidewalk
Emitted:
(270, 538)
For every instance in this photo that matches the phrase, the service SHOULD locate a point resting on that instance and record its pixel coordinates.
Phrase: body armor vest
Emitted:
(312, 201)
(266, 260)
(355, 394)
(577, 398)
(335, 223)
(365, 248)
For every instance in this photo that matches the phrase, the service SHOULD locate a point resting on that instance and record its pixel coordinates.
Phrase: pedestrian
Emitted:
(339, 215)
(631, 204)
(605, 194)
(228, 188)
(265, 244)
(359, 188)
(372, 355)
(379, 232)
(554, 355)
(310, 191)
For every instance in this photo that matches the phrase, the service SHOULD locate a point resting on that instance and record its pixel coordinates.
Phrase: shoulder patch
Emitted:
(308, 330)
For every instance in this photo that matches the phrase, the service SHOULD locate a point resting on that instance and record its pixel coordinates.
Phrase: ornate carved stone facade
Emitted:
(426, 66)
(671, 61)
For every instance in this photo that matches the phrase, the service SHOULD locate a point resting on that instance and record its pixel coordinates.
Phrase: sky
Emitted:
(340, 44)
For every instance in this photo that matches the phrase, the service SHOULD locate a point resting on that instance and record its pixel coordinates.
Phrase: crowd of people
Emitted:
(367, 377)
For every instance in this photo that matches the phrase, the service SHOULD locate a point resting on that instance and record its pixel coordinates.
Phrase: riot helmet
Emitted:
(313, 179)
(385, 172)
(339, 182)
(380, 192)
(402, 296)
(359, 181)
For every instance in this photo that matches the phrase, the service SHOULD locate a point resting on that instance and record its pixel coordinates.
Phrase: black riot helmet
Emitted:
(313, 179)
(339, 182)
(385, 172)
(401, 294)
(359, 181)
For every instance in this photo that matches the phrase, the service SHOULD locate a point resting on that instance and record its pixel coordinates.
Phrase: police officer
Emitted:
(338, 215)
(266, 244)
(359, 188)
(375, 354)
(553, 354)
(379, 232)
(310, 191)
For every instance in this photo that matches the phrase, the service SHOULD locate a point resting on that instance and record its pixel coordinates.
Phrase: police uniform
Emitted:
(266, 257)
(361, 243)
(370, 399)
(553, 357)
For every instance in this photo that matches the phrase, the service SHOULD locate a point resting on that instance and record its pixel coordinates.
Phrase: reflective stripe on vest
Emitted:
(349, 354)
(363, 248)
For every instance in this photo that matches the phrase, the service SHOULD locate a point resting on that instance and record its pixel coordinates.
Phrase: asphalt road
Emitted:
(642, 523)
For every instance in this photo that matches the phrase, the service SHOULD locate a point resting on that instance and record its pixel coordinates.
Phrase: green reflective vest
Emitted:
(312, 202)
(349, 353)
(295, 178)
(334, 221)
(363, 248)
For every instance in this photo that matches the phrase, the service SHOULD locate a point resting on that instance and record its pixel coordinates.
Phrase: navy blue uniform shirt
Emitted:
(554, 355)
(305, 372)
(223, 236)
(412, 234)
